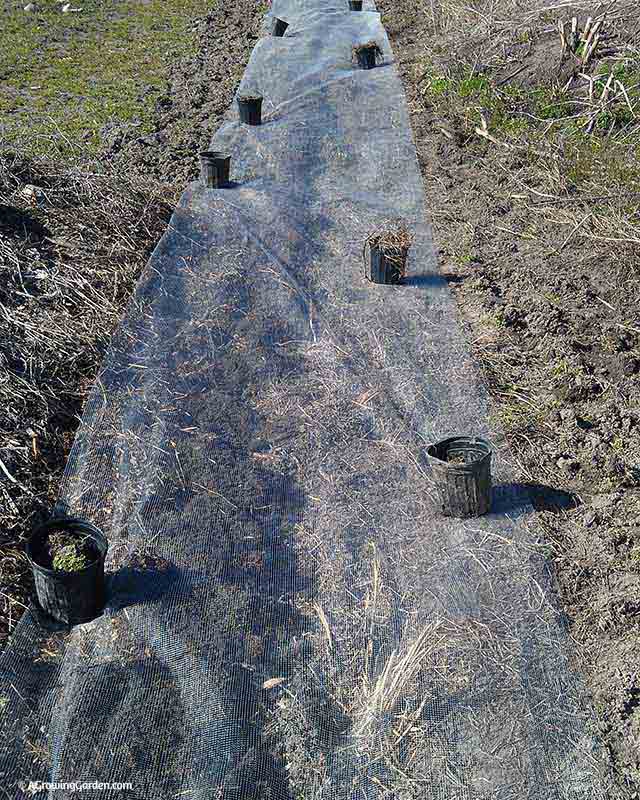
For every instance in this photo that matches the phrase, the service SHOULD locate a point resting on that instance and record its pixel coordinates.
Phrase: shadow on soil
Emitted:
(425, 280)
(510, 497)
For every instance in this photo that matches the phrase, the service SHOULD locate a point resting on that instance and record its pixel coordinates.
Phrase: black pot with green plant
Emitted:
(355, 5)
(67, 558)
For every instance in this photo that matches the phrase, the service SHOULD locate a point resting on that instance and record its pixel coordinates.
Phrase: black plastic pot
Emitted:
(279, 27)
(367, 57)
(250, 109)
(214, 169)
(355, 5)
(69, 598)
(461, 469)
(381, 268)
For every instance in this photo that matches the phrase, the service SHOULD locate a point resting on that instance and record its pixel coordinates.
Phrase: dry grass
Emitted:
(383, 698)
(393, 238)
(71, 246)
(394, 684)
(370, 45)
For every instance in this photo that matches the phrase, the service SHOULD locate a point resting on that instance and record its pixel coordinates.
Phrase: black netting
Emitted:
(288, 616)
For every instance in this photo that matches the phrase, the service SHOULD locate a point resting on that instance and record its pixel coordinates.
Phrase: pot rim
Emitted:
(41, 531)
(477, 442)
(214, 155)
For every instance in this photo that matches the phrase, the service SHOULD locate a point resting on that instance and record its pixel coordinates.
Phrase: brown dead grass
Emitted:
(71, 246)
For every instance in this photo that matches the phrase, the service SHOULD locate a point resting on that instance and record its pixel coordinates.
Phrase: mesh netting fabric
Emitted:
(289, 616)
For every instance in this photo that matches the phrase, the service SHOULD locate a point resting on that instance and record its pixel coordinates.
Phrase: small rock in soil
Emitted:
(604, 500)
(567, 415)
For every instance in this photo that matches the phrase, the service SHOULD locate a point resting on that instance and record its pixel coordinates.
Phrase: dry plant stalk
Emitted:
(613, 91)
(393, 238)
(582, 45)
(370, 45)
(325, 624)
(371, 601)
(396, 679)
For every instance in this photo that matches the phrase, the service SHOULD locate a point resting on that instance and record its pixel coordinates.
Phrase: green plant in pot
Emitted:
(67, 557)
(68, 553)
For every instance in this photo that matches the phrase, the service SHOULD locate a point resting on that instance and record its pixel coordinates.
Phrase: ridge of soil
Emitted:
(64, 286)
(535, 218)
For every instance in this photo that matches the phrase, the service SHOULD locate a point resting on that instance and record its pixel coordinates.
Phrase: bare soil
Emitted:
(197, 98)
(532, 174)
(73, 239)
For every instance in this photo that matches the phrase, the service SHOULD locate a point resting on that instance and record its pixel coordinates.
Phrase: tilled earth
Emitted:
(199, 95)
(73, 240)
(537, 232)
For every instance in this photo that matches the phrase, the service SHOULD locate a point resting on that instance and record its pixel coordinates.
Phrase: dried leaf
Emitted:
(271, 682)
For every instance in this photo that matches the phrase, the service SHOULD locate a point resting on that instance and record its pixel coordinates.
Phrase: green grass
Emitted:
(474, 86)
(513, 111)
(465, 94)
(70, 559)
(546, 114)
(64, 76)
(550, 103)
